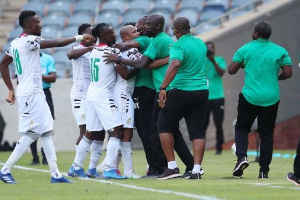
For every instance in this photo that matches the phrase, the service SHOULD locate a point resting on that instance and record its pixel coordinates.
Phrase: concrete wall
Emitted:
(234, 34)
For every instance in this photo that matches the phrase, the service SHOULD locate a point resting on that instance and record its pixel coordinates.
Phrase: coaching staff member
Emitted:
(261, 60)
(186, 99)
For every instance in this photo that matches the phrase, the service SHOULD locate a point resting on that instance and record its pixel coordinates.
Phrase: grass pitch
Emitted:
(217, 183)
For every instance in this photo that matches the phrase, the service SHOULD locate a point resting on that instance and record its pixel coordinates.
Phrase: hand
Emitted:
(87, 37)
(162, 98)
(211, 57)
(110, 57)
(11, 98)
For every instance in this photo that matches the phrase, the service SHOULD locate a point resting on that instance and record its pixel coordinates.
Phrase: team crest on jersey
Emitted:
(31, 124)
(83, 117)
(128, 120)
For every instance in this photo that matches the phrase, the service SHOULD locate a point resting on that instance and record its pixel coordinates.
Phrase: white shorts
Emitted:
(126, 108)
(79, 110)
(34, 114)
(102, 114)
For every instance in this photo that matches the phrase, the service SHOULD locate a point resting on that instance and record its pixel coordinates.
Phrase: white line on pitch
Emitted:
(273, 186)
(183, 194)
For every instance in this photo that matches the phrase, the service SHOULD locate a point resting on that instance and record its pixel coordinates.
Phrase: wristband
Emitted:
(162, 88)
(78, 37)
(119, 60)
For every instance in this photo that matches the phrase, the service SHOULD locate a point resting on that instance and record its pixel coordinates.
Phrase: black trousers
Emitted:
(33, 145)
(216, 107)
(297, 162)
(143, 98)
(266, 117)
(180, 146)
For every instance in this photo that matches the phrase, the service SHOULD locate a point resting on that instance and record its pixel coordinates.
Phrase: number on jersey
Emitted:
(17, 61)
(95, 69)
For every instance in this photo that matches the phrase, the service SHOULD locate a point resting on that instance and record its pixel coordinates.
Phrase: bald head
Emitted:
(128, 33)
(182, 25)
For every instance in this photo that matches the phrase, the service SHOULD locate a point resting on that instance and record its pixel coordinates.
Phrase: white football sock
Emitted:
(172, 164)
(81, 152)
(127, 157)
(119, 158)
(113, 147)
(96, 152)
(196, 168)
(18, 152)
(50, 153)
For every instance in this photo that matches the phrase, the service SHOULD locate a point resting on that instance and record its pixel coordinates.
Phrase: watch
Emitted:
(119, 60)
(162, 88)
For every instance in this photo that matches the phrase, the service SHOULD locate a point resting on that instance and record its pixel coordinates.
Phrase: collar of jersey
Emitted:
(102, 45)
(23, 34)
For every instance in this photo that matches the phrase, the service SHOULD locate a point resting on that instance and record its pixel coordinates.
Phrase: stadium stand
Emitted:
(61, 18)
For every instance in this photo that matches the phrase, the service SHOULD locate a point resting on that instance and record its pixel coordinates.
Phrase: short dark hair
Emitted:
(82, 27)
(130, 23)
(210, 42)
(263, 28)
(24, 14)
(97, 30)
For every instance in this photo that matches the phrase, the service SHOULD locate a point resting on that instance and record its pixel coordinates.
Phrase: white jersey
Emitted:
(81, 74)
(103, 75)
(25, 51)
(127, 86)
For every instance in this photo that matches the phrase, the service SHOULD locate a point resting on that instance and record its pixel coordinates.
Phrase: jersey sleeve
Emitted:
(143, 42)
(9, 51)
(222, 63)
(51, 64)
(151, 51)
(176, 53)
(238, 57)
(33, 42)
(286, 59)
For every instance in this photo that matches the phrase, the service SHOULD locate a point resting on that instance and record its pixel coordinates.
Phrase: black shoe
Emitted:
(169, 173)
(44, 161)
(263, 175)
(186, 174)
(34, 162)
(195, 176)
(292, 178)
(218, 152)
(240, 166)
(151, 173)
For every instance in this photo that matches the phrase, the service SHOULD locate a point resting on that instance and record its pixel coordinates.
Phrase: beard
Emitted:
(150, 33)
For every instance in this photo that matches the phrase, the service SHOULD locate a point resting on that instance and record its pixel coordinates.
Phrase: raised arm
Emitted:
(127, 45)
(141, 63)
(6, 78)
(64, 41)
(76, 53)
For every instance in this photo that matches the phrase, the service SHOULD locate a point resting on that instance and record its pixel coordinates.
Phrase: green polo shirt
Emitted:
(191, 52)
(215, 82)
(262, 59)
(144, 77)
(159, 48)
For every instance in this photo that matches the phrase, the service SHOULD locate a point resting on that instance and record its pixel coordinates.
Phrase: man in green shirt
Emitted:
(187, 98)
(144, 93)
(215, 68)
(261, 59)
(158, 49)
